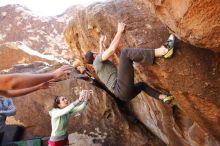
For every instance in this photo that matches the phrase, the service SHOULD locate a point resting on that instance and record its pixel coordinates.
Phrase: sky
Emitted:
(47, 7)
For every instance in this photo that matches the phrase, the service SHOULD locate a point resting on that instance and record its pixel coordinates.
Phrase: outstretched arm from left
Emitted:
(26, 80)
(21, 92)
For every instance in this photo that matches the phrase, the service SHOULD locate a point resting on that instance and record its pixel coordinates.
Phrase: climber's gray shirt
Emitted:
(106, 71)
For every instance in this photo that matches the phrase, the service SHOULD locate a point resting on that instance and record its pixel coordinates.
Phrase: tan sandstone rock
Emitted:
(12, 55)
(194, 21)
(192, 75)
(43, 34)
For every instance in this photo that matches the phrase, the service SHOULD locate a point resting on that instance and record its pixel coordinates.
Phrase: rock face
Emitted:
(194, 21)
(192, 75)
(26, 38)
(11, 55)
(42, 34)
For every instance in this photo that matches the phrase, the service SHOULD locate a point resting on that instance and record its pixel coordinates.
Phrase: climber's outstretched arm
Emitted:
(24, 91)
(25, 80)
(114, 44)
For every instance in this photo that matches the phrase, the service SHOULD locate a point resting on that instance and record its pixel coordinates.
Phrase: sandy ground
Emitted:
(76, 139)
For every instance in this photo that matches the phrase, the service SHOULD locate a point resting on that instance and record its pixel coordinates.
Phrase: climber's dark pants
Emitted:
(125, 89)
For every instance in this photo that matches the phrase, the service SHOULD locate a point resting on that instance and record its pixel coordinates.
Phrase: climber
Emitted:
(7, 108)
(81, 72)
(121, 83)
(13, 85)
(60, 115)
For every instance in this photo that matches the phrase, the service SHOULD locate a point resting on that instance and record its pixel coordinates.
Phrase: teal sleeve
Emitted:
(79, 107)
(60, 112)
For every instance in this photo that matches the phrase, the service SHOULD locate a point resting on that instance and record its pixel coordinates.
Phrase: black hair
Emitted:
(89, 57)
(56, 102)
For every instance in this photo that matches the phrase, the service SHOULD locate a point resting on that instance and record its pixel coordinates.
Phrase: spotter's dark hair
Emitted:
(56, 101)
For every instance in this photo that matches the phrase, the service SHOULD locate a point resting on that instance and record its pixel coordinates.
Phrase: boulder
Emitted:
(12, 55)
(42, 34)
(192, 75)
(194, 21)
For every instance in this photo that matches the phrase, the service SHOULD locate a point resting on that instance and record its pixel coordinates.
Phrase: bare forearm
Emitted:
(18, 81)
(21, 92)
(113, 46)
(115, 41)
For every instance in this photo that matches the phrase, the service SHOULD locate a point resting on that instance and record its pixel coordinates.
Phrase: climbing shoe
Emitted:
(169, 44)
(168, 99)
